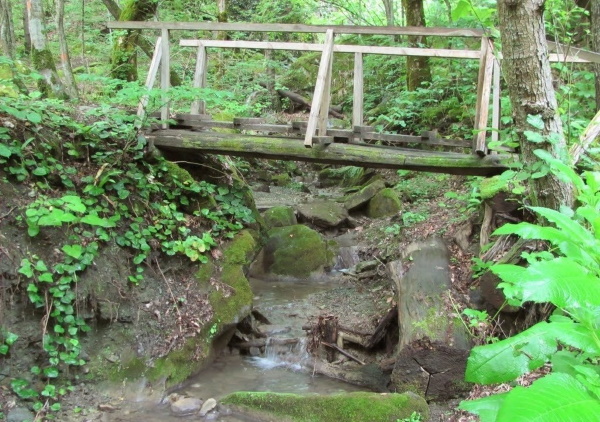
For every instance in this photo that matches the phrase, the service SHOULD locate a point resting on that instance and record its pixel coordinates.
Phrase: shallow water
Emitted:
(286, 305)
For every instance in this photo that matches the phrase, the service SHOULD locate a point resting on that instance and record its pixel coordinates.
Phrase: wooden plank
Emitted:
(365, 49)
(326, 100)
(357, 96)
(150, 79)
(165, 77)
(482, 123)
(319, 89)
(480, 75)
(199, 106)
(393, 139)
(588, 56)
(299, 28)
(183, 143)
(495, 101)
(238, 121)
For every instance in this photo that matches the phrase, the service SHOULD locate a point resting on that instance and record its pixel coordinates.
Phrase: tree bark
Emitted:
(26, 34)
(529, 79)
(65, 59)
(390, 9)
(124, 57)
(7, 30)
(595, 36)
(417, 68)
(41, 57)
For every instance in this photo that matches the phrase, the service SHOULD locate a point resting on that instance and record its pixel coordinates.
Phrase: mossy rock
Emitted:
(358, 199)
(282, 179)
(343, 176)
(323, 214)
(490, 186)
(279, 217)
(384, 204)
(348, 407)
(294, 251)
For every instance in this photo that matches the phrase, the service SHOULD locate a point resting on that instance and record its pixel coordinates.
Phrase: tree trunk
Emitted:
(529, 79)
(41, 57)
(417, 68)
(7, 30)
(389, 12)
(124, 57)
(595, 35)
(26, 34)
(65, 59)
(141, 42)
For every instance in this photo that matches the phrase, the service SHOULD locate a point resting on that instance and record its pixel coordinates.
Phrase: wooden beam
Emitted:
(299, 28)
(150, 79)
(165, 77)
(186, 143)
(496, 101)
(326, 100)
(199, 106)
(365, 49)
(319, 89)
(357, 96)
(588, 56)
(484, 82)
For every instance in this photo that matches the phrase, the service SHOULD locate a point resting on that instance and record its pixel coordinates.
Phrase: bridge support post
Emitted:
(357, 97)
(199, 106)
(484, 84)
(165, 77)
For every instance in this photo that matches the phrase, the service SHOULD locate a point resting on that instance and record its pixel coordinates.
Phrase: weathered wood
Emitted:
(574, 52)
(484, 84)
(342, 351)
(319, 89)
(299, 99)
(496, 101)
(150, 79)
(589, 135)
(276, 27)
(240, 121)
(376, 156)
(165, 82)
(382, 328)
(199, 106)
(325, 100)
(330, 329)
(357, 96)
(365, 49)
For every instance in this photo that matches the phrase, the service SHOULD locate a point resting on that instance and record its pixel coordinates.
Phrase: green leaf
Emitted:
(487, 407)
(4, 151)
(3, 349)
(10, 338)
(73, 202)
(535, 121)
(51, 372)
(94, 220)
(554, 398)
(74, 251)
(40, 171)
(34, 117)
(59, 329)
(45, 278)
(507, 359)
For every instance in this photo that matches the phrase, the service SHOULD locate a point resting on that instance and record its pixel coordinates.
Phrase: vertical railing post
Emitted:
(484, 83)
(165, 77)
(357, 97)
(150, 79)
(495, 101)
(199, 106)
(320, 87)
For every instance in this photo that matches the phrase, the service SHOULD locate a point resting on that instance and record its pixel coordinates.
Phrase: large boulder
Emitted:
(355, 407)
(358, 199)
(385, 203)
(294, 251)
(323, 214)
(279, 217)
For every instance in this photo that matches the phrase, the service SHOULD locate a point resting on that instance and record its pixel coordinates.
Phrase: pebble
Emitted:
(186, 406)
(208, 405)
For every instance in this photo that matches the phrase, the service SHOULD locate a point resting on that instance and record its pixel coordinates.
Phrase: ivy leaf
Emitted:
(73, 203)
(536, 121)
(94, 220)
(487, 407)
(40, 171)
(5, 151)
(74, 251)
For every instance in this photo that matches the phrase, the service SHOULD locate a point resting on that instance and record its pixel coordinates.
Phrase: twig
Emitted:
(168, 287)
(8, 213)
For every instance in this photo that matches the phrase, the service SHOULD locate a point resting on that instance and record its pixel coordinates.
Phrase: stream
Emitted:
(288, 306)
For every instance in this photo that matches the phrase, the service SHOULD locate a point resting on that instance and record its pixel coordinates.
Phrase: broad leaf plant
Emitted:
(568, 343)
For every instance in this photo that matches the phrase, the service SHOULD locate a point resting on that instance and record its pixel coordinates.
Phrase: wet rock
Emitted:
(295, 251)
(323, 214)
(254, 351)
(208, 405)
(366, 266)
(19, 414)
(279, 217)
(385, 203)
(186, 406)
(343, 176)
(360, 198)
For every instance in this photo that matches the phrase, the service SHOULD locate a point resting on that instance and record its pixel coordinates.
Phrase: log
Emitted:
(299, 99)
(342, 351)
(184, 143)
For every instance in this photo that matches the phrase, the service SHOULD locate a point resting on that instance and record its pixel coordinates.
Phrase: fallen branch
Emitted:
(343, 352)
(299, 99)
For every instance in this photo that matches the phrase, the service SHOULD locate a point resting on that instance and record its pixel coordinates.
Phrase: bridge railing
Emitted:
(488, 82)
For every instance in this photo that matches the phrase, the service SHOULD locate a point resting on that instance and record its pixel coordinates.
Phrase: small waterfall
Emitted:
(282, 353)
(347, 258)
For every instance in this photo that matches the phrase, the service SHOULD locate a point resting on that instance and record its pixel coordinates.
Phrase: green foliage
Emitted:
(414, 417)
(568, 277)
(8, 340)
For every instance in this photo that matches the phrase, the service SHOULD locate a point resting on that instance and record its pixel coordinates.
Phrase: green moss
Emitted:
(283, 179)
(384, 204)
(279, 217)
(295, 251)
(204, 273)
(491, 186)
(355, 407)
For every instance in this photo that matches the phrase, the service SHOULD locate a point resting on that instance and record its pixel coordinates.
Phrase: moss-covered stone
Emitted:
(355, 407)
(282, 179)
(358, 199)
(343, 176)
(295, 251)
(384, 204)
(279, 217)
(490, 186)
(323, 214)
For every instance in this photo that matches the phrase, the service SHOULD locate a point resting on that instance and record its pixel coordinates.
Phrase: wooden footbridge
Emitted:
(313, 140)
